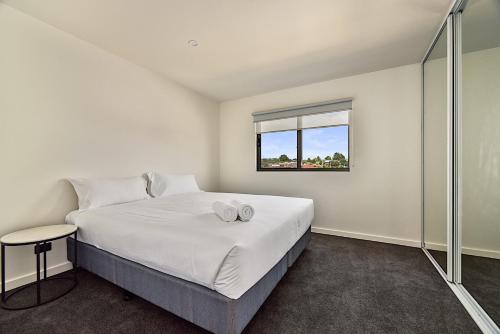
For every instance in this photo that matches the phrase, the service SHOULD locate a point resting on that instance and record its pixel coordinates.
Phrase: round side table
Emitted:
(41, 238)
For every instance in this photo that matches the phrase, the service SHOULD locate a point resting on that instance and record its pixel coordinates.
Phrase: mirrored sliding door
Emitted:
(479, 153)
(461, 157)
(435, 149)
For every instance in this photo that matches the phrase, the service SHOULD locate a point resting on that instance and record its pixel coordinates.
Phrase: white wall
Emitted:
(380, 196)
(67, 109)
(435, 152)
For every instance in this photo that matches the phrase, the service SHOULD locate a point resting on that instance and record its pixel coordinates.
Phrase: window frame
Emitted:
(299, 167)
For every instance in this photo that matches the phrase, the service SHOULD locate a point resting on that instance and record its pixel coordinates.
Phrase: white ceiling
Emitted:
(248, 47)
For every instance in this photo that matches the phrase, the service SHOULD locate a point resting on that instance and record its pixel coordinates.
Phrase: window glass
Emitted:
(326, 147)
(279, 149)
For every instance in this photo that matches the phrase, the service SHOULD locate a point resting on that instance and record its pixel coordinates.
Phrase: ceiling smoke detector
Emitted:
(193, 43)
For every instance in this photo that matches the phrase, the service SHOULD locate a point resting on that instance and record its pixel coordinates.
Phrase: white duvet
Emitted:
(180, 235)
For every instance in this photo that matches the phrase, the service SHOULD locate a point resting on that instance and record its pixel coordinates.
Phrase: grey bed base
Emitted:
(193, 302)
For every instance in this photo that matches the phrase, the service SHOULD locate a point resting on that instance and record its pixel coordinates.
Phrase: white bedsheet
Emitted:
(181, 236)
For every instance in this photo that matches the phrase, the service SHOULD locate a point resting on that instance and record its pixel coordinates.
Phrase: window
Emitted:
(304, 138)
(279, 149)
(326, 147)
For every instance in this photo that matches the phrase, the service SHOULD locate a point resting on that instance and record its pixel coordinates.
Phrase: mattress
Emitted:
(181, 236)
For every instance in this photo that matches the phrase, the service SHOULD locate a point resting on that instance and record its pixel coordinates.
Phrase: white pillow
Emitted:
(157, 184)
(162, 185)
(94, 193)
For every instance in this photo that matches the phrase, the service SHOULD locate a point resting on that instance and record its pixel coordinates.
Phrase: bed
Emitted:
(176, 253)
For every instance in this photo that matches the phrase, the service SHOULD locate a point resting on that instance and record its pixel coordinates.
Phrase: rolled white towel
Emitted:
(226, 212)
(245, 211)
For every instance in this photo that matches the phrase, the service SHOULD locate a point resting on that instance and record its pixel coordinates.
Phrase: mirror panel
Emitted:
(480, 153)
(435, 150)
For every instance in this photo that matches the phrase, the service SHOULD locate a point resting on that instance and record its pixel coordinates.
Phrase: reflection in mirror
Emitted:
(480, 153)
(435, 152)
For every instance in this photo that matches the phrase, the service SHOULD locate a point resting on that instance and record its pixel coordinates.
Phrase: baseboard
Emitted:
(404, 242)
(481, 252)
(494, 254)
(31, 277)
(435, 246)
(366, 236)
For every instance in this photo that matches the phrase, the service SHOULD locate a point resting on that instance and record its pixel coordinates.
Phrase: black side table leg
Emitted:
(44, 261)
(3, 273)
(75, 262)
(38, 299)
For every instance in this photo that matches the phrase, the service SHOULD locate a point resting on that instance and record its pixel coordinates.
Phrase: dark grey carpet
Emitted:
(440, 258)
(338, 285)
(481, 277)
